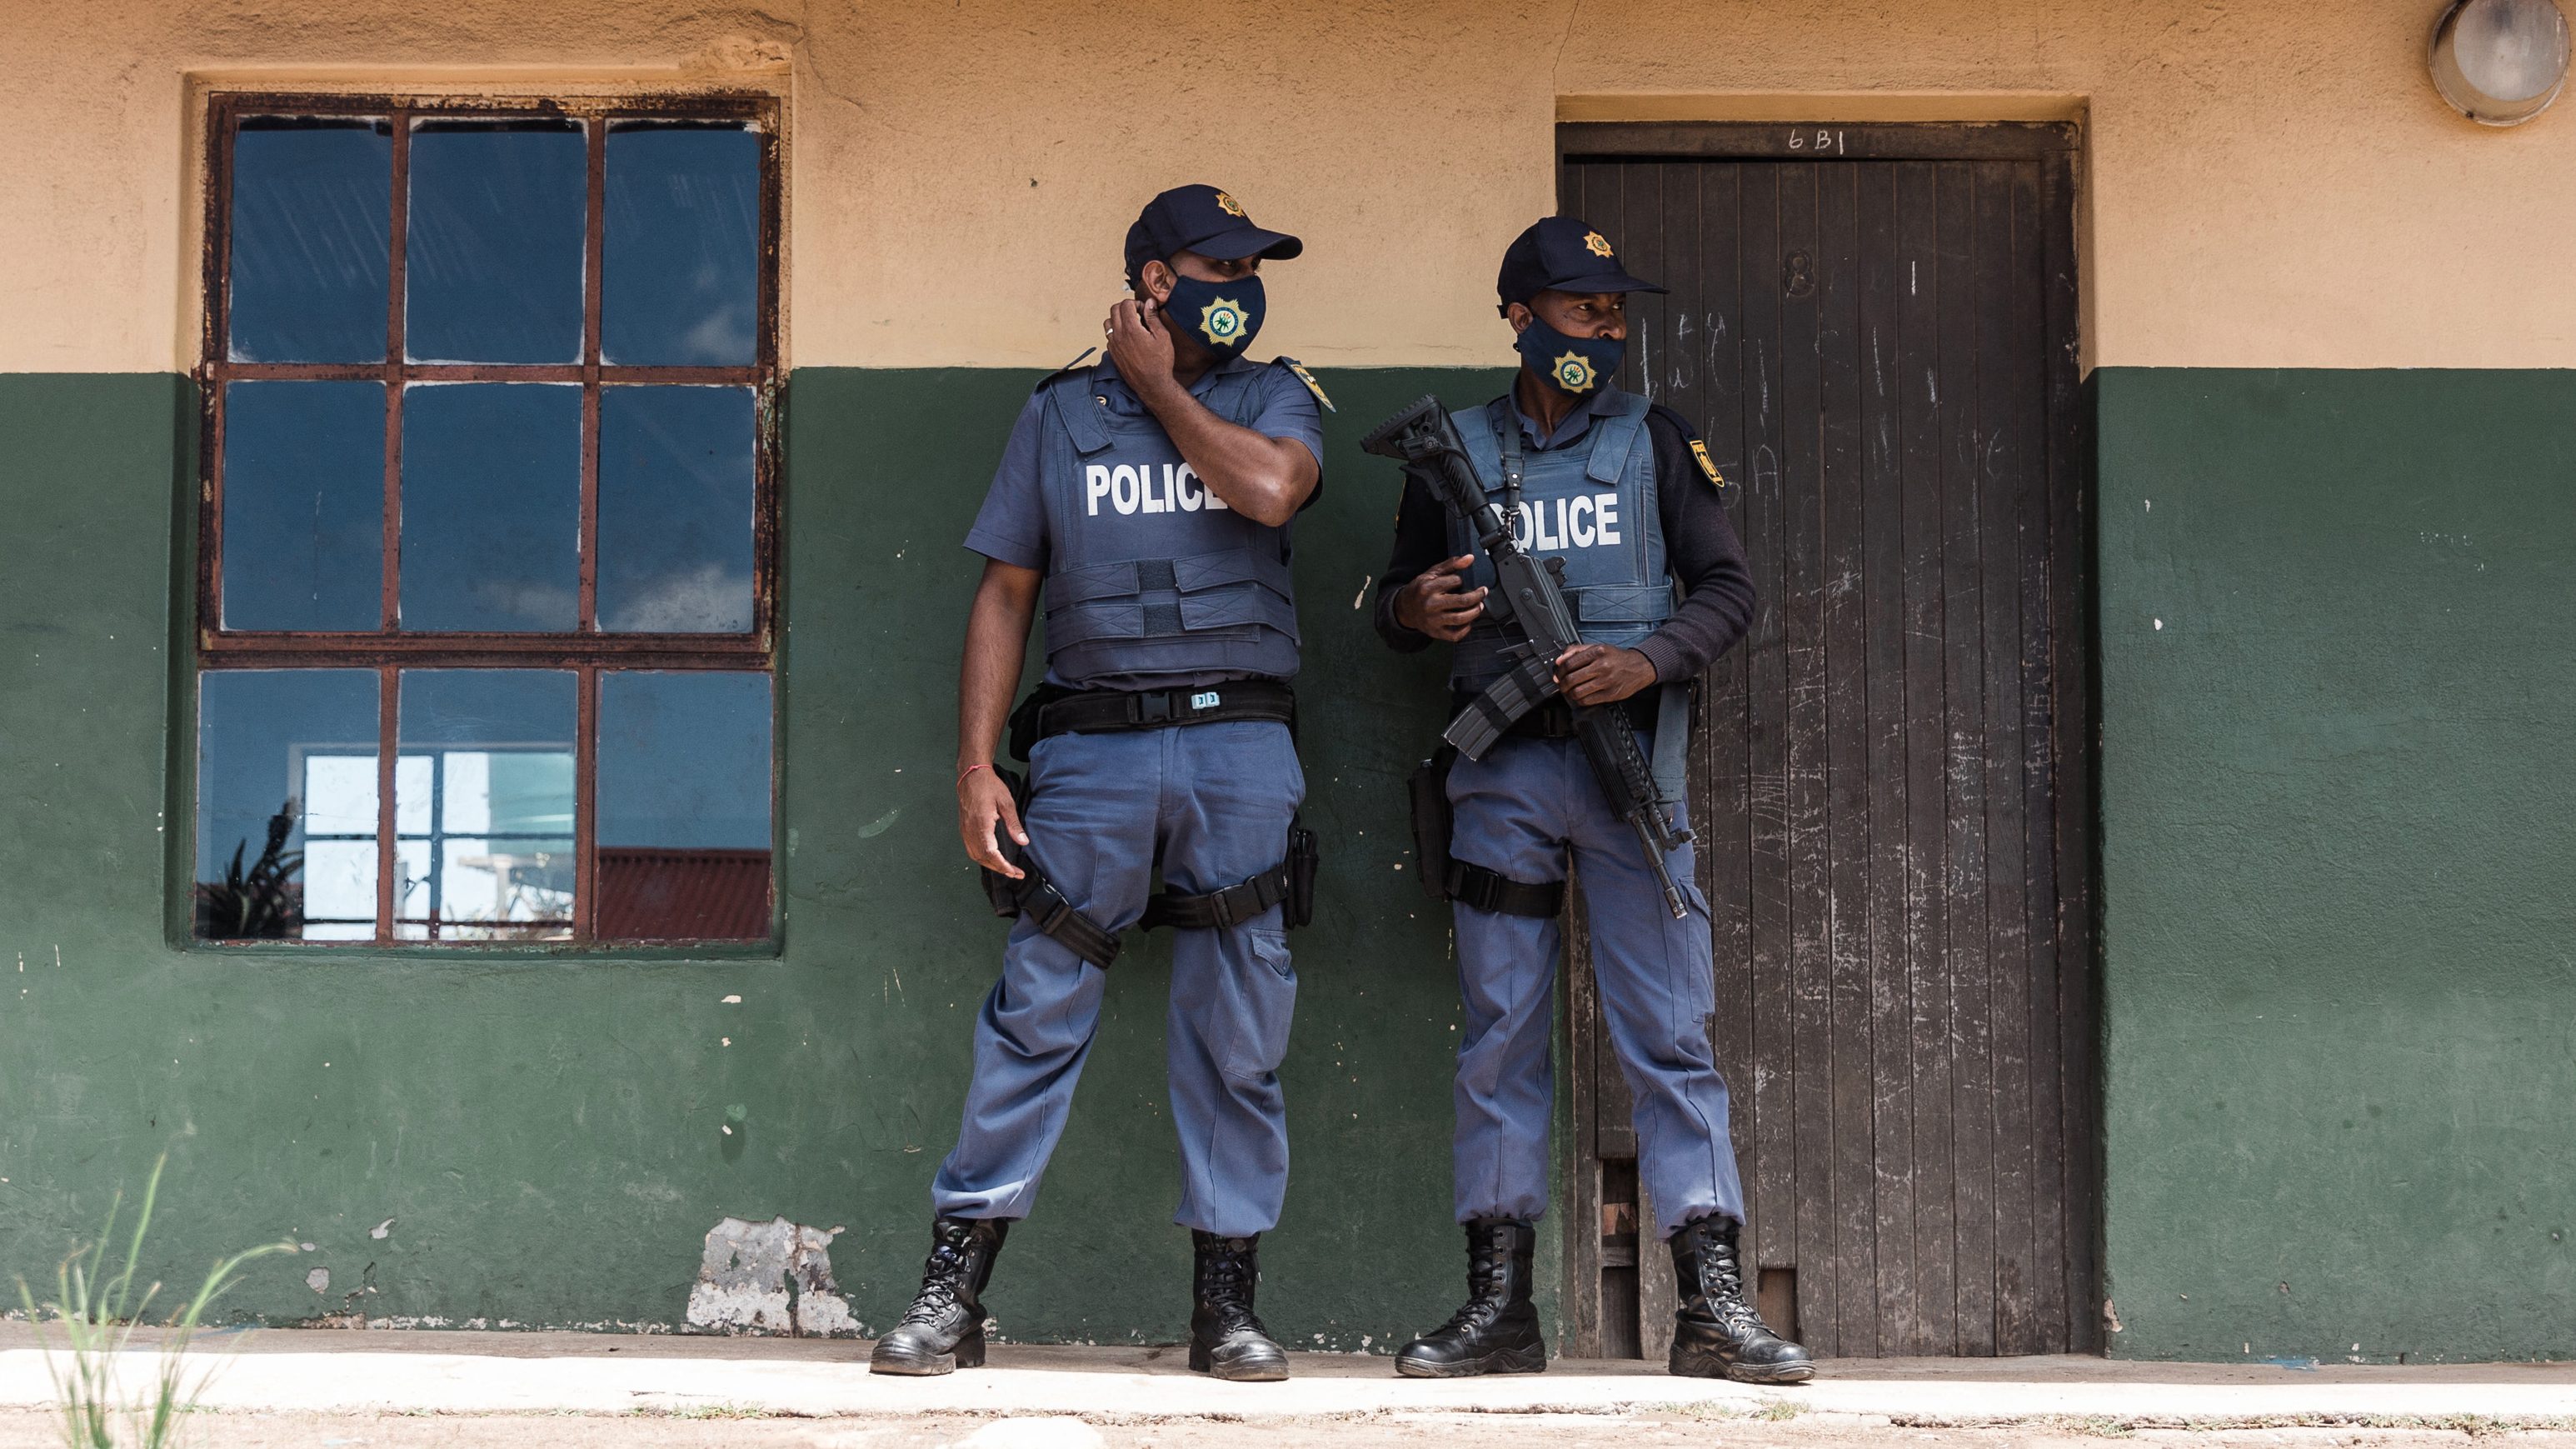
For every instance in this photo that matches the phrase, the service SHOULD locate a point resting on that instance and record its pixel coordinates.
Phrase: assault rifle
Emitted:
(1528, 602)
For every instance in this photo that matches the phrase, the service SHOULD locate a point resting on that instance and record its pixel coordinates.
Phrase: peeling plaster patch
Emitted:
(383, 1229)
(319, 1280)
(772, 1277)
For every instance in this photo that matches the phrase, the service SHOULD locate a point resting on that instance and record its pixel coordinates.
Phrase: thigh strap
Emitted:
(1215, 910)
(1489, 890)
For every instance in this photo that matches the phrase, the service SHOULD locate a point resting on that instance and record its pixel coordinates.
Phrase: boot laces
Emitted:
(1489, 1286)
(1226, 1280)
(1722, 1287)
(943, 1279)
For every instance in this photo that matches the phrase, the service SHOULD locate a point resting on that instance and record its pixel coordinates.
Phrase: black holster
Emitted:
(1429, 789)
(1305, 855)
(1036, 896)
(1446, 878)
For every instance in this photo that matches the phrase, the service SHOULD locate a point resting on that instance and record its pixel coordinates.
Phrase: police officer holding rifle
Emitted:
(1570, 541)
(1148, 499)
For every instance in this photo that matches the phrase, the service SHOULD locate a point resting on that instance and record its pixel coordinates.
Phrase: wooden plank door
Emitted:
(1874, 329)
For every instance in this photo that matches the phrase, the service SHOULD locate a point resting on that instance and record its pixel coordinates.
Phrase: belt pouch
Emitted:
(1025, 722)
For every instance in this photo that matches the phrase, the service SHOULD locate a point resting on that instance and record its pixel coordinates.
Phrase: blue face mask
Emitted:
(1219, 316)
(1577, 365)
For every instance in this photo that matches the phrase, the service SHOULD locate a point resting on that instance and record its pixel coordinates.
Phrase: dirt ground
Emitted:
(21, 1429)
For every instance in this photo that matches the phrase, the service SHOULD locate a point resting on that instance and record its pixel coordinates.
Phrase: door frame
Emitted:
(2058, 146)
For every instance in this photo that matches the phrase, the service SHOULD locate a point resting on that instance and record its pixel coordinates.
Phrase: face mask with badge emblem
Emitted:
(1222, 317)
(1574, 365)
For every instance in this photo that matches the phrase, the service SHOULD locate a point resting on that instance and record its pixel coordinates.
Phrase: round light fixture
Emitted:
(2500, 62)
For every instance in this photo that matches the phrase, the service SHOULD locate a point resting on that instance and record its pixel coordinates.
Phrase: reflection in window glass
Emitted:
(483, 805)
(491, 506)
(304, 505)
(675, 507)
(311, 217)
(684, 791)
(492, 253)
(683, 237)
(286, 805)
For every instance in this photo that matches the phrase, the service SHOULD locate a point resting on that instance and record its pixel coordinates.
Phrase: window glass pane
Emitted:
(304, 505)
(483, 805)
(286, 805)
(675, 505)
(684, 830)
(491, 506)
(679, 278)
(492, 255)
(312, 212)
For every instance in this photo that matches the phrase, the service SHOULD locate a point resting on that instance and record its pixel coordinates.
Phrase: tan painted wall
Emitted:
(2267, 184)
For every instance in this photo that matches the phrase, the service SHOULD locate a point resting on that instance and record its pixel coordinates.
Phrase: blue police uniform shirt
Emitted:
(1575, 425)
(1012, 525)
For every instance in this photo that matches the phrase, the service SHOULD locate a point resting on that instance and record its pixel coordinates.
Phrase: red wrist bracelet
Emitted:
(970, 769)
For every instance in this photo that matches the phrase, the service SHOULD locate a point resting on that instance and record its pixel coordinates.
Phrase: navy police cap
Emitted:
(1562, 253)
(1200, 219)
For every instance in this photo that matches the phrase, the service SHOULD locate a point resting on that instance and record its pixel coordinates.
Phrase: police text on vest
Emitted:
(1587, 520)
(1132, 489)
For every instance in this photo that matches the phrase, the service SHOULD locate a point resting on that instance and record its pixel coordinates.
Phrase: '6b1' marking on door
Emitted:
(1823, 141)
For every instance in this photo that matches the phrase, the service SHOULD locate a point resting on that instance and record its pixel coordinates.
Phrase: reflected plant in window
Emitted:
(263, 902)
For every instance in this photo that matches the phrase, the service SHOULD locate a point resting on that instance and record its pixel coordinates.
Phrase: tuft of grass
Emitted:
(96, 1305)
(704, 1411)
(1781, 1410)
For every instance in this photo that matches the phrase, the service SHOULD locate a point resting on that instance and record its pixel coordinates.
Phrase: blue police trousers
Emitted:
(1520, 811)
(1213, 801)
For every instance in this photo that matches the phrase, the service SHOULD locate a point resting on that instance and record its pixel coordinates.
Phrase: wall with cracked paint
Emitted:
(2334, 825)
(2337, 989)
(552, 1138)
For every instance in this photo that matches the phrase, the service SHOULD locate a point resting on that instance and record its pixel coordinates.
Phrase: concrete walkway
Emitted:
(344, 1372)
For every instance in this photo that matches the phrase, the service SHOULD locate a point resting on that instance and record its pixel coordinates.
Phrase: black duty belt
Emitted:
(1553, 718)
(1052, 710)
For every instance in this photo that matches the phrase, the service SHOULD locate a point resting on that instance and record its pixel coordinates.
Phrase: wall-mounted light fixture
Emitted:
(2500, 62)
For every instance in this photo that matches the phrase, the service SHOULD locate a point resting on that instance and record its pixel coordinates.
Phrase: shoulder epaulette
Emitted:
(1298, 370)
(1691, 440)
(1065, 371)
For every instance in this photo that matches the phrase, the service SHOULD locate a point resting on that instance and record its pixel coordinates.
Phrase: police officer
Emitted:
(1147, 498)
(1624, 493)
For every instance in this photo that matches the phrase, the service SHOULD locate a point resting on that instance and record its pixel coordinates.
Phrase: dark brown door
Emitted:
(1874, 329)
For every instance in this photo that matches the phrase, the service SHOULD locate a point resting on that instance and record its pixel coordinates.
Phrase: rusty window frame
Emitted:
(586, 651)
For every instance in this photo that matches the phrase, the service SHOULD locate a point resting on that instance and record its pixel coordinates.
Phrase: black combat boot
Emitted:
(1718, 1333)
(1226, 1336)
(944, 1327)
(1497, 1331)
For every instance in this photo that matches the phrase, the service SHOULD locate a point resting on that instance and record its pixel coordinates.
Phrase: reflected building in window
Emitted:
(486, 627)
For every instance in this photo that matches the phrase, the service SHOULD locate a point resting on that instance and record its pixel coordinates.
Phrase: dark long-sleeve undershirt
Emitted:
(1700, 547)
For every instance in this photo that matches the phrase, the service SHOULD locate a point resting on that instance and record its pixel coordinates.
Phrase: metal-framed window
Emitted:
(487, 538)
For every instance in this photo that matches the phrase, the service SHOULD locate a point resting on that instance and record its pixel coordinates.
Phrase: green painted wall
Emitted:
(2340, 1009)
(544, 1131)
(2339, 835)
